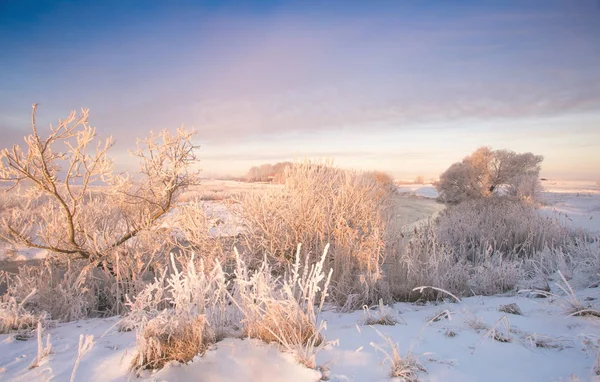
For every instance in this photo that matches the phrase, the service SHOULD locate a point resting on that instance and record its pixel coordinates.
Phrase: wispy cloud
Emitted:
(240, 74)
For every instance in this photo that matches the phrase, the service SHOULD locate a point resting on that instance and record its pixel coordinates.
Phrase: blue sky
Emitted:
(408, 87)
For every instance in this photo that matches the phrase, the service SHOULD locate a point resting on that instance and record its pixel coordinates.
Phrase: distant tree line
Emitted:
(274, 173)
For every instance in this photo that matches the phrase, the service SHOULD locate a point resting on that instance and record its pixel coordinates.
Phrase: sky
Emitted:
(407, 87)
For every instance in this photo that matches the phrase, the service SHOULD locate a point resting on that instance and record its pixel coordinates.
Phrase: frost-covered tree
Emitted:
(75, 205)
(481, 173)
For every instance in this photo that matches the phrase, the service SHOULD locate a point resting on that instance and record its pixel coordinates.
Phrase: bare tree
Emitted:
(66, 211)
(481, 173)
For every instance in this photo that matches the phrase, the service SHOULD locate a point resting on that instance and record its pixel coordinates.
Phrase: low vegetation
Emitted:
(320, 205)
(127, 248)
(405, 367)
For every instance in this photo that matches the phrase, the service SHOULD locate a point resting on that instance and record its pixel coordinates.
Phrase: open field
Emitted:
(440, 340)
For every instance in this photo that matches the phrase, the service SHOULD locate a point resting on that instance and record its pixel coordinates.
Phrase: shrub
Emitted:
(196, 234)
(285, 310)
(168, 337)
(268, 173)
(64, 292)
(509, 227)
(485, 246)
(421, 258)
(318, 205)
(14, 317)
(178, 316)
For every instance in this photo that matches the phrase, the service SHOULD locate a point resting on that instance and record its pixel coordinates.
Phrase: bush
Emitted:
(14, 317)
(486, 246)
(509, 227)
(65, 292)
(178, 316)
(318, 205)
(268, 173)
(421, 258)
(167, 338)
(285, 311)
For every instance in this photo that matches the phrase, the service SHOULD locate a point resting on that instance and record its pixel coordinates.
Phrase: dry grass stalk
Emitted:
(497, 334)
(546, 342)
(382, 315)
(421, 288)
(511, 309)
(42, 351)
(164, 339)
(443, 315)
(592, 345)
(85, 345)
(573, 305)
(406, 367)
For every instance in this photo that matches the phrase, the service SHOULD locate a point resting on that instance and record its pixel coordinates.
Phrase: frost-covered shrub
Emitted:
(510, 227)
(486, 246)
(168, 337)
(382, 178)
(195, 234)
(320, 204)
(65, 292)
(180, 314)
(14, 317)
(422, 259)
(495, 276)
(284, 310)
(194, 291)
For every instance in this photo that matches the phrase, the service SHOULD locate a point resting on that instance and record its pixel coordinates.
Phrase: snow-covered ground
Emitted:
(576, 203)
(545, 344)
